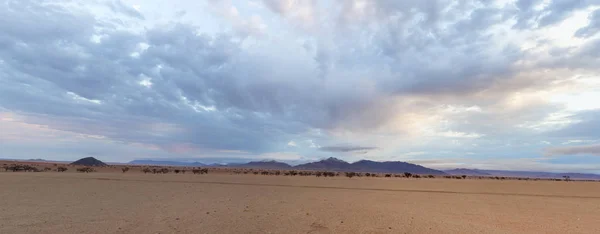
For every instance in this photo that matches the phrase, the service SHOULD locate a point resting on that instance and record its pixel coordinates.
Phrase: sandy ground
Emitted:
(113, 202)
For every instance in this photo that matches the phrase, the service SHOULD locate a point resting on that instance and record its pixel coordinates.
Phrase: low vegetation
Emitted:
(21, 168)
(200, 171)
(86, 169)
(265, 172)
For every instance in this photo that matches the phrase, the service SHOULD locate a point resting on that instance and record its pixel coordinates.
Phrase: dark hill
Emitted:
(327, 164)
(335, 164)
(393, 167)
(89, 162)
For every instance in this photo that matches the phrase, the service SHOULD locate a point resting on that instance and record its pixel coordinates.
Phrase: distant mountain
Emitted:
(166, 163)
(89, 161)
(465, 171)
(223, 164)
(393, 167)
(37, 160)
(272, 164)
(335, 164)
(327, 164)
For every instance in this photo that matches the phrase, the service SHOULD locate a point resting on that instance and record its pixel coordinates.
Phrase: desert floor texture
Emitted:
(115, 202)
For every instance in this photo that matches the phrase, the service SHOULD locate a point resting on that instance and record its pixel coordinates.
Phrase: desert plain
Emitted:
(109, 201)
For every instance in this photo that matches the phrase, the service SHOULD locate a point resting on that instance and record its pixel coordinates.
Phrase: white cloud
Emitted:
(453, 134)
(312, 144)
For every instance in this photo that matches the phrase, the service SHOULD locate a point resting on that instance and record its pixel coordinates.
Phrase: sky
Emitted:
(512, 85)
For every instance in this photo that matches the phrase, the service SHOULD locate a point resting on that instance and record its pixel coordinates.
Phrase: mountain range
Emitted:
(167, 163)
(330, 164)
(335, 164)
(272, 164)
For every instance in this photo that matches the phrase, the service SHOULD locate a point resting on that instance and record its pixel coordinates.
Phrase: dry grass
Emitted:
(109, 201)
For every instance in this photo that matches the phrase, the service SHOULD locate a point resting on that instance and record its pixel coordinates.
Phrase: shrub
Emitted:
(350, 174)
(205, 170)
(464, 176)
(388, 175)
(61, 169)
(146, 170)
(125, 169)
(407, 174)
(16, 168)
(86, 169)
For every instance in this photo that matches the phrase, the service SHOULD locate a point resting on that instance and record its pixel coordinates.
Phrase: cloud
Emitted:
(585, 125)
(119, 7)
(573, 150)
(243, 25)
(557, 10)
(301, 13)
(232, 78)
(346, 149)
(592, 28)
